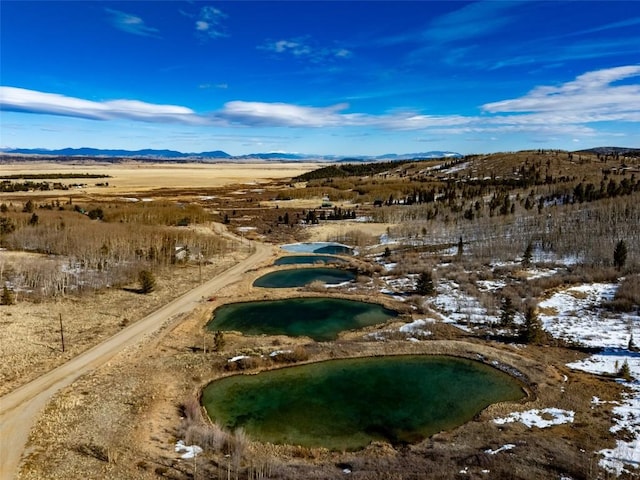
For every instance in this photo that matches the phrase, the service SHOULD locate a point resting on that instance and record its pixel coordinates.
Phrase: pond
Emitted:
(320, 318)
(308, 260)
(297, 277)
(318, 247)
(346, 404)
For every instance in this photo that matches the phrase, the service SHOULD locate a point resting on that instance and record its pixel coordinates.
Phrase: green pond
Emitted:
(320, 318)
(346, 404)
(318, 247)
(297, 277)
(308, 260)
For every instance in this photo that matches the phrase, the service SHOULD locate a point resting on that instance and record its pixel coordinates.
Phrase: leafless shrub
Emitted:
(245, 363)
(627, 295)
(298, 354)
(210, 437)
(316, 286)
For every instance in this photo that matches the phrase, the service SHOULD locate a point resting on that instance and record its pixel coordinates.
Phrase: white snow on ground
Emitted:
(458, 307)
(238, 358)
(626, 416)
(539, 418)
(576, 314)
(417, 326)
(245, 229)
(491, 285)
(279, 352)
(190, 451)
(508, 446)
(533, 273)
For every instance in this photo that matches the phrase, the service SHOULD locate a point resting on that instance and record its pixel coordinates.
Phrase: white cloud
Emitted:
(31, 101)
(209, 22)
(591, 93)
(131, 24)
(570, 109)
(304, 48)
(287, 115)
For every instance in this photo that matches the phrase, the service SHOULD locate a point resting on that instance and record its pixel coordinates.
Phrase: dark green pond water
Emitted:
(308, 260)
(298, 277)
(320, 318)
(346, 404)
(319, 247)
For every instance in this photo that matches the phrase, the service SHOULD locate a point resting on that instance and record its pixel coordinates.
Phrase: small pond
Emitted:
(320, 318)
(297, 277)
(346, 404)
(308, 260)
(318, 247)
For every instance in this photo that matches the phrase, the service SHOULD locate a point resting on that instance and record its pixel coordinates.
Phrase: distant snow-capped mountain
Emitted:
(217, 155)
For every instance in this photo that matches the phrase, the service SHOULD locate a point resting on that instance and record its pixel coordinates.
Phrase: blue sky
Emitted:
(325, 77)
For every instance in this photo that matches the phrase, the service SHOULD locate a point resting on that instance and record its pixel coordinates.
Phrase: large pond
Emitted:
(318, 247)
(308, 260)
(297, 277)
(320, 318)
(346, 404)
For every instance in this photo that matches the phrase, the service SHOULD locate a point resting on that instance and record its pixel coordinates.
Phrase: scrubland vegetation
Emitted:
(470, 249)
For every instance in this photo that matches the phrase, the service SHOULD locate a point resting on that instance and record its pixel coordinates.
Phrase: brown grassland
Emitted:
(74, 256)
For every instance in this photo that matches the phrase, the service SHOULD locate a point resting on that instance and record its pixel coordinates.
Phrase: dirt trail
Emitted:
(19, 409)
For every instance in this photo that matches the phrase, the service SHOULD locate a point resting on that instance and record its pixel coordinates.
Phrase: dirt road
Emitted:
(19, 409)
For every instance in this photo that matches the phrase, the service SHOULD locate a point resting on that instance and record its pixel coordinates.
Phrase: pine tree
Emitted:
(624, 371)
(527, 255)
(620, 255)
(147, 281)
(533, 332)
(508, 312)
(7, 297)
(424, 285)
(460, 247)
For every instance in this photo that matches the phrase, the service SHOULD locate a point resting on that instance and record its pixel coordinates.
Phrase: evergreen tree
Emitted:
(7, 297)
(533, 332)
(508, 312)
(624, 371)
(33, 221)
(147, 281)
(424, 285)
(460, 247)
(620, 255)
(527, 255)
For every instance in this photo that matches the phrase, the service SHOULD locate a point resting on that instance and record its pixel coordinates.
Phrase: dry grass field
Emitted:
(145, 177)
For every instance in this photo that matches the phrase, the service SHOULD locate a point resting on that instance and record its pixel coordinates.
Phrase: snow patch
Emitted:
(508, 446)
(539, 418)
(190, 451)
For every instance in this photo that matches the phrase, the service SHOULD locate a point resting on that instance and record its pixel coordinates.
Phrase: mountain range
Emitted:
(150, 154)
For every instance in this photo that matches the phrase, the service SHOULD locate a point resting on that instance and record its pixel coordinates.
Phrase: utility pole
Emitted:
(61, 333)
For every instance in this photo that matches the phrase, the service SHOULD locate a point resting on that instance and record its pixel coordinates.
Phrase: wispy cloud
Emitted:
(131, 23)
(304, 48)
(471, 21)
(31, 101)
(572, 108)
(589, 94)
(209, 23)
(287, 115)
